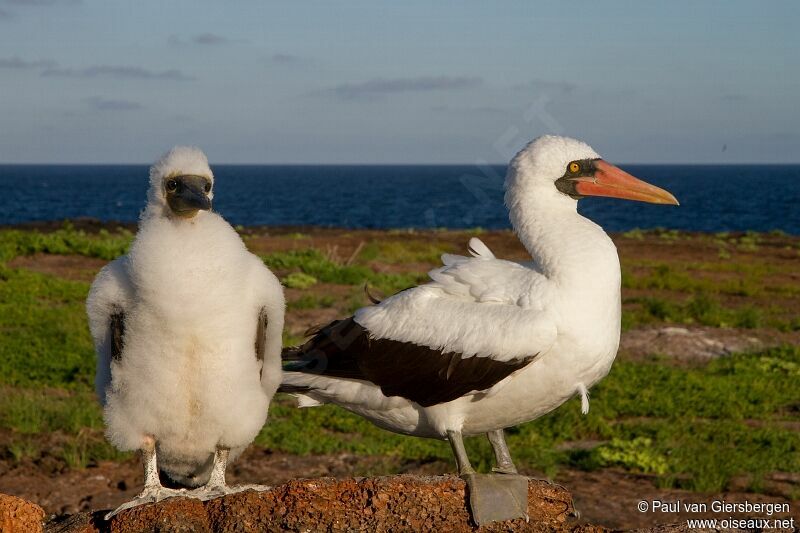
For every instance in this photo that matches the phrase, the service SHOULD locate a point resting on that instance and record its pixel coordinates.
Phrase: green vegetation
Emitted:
(314, 263)
(66, 240)
(45, 338)
(698, 309)
(66, 424)
(694, 277)
(637, 454)
(635, 233)
(394, 252)
(37, 410)
(694, 427)
(742, 294)
(299, 280)
(311, 301)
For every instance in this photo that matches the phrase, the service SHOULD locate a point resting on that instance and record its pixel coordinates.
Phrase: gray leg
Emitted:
(217, 478)
(151, 480)
(501, 454)
(462, 461)
(153, 490)
(492, 497)
(216, 485)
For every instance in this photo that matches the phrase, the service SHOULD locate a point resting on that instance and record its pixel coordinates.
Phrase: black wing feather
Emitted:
(344, 349)
(117, 327)
(261, 332)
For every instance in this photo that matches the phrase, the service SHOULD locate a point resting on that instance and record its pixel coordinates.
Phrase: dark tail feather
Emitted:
(297, 353)
(293, 389)
(292, 353)
(313, 330)
(369, 295)
(328, 351)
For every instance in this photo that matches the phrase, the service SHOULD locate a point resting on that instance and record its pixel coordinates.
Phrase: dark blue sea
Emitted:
(713, 198)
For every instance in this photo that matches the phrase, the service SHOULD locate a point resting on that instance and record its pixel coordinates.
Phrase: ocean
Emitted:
(713, 198)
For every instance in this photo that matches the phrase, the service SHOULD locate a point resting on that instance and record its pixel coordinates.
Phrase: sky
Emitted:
(252, 81)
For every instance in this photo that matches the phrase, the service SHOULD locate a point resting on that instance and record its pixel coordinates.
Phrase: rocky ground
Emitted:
(608, 497)
(396, 503)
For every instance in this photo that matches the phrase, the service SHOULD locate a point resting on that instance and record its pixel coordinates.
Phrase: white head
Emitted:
(558, 171)
(181, 183)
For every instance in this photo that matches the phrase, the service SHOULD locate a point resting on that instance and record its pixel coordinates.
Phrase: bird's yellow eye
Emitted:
(574, 167)
(172, 186)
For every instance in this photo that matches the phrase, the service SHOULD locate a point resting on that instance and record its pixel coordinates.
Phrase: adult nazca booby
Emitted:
(187, 328)
(488, 343)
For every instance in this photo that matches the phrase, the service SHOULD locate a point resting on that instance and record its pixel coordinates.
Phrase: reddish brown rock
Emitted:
(19, 516)
(396, 503)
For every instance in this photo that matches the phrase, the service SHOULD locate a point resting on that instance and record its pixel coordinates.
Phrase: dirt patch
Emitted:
(71, 267)
(61, 490)
(698, 344)
(612, 498)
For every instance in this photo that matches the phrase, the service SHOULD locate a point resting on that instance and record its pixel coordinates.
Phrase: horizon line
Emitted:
(391, 164)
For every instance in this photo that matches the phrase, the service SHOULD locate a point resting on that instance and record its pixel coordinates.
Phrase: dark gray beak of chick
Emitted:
(188, 194)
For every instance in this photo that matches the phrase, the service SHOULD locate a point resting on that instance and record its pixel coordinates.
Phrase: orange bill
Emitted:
(613, 182)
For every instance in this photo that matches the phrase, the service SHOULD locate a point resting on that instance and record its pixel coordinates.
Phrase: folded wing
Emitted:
(463, 332)
(478, 306)
(108, 300)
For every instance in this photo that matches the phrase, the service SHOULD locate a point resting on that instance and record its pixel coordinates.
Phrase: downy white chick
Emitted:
(187, 328)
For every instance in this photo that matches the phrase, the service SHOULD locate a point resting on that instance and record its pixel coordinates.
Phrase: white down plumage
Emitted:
(192, 368)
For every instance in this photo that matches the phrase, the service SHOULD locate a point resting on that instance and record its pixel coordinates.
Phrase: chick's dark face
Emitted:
(187, 194)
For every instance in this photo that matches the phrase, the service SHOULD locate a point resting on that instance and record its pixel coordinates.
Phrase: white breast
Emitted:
(188, 372)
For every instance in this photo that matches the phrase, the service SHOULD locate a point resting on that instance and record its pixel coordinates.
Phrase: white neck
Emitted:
(569, 249)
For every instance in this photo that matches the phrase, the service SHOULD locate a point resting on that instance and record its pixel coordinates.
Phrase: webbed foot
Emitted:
(148, 495)
(497, 497)
(209, 492)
